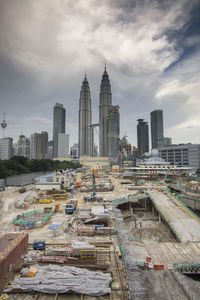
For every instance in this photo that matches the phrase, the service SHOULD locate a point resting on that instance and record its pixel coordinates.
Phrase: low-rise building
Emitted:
(46, 182)
(182, 155)
(65, 178)
(155, 166)
(88, 161)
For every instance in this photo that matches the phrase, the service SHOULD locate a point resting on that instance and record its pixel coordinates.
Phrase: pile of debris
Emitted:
(94, 221)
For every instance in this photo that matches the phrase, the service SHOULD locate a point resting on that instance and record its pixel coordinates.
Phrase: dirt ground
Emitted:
(147, 228)
(65, 233)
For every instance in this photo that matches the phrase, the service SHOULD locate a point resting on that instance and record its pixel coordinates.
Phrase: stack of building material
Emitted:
(104, 230)
(55, 259)
(62, 251)
(97, 210)
(83, 214)
(86, 230)
(92, 230)
(102, 219)
(83, 249)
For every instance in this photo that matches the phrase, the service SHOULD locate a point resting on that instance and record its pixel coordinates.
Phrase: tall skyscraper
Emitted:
(6, 149)
(74, 151)
(39, 145)
(113, 133)
(58, 125)
(167, 141)
(125, 150)
(50, 149)
(22, 147)
(63, 145)
(85, 133)
(157, 134)
(105, 103)
(142, 137)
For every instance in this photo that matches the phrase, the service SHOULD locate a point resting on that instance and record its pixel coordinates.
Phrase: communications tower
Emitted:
(3, 125)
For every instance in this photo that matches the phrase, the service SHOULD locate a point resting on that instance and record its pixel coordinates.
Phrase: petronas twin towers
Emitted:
(108, 121)
(85, 133)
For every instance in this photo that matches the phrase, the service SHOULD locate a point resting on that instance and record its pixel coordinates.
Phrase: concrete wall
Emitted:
(2, 183)
(23, 179)
(10, 256)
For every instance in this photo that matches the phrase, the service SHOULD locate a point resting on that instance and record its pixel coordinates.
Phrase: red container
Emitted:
(161, 267)
(156, 267)
(148, 259)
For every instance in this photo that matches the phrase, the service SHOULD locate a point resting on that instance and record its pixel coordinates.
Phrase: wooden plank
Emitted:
(36, 296)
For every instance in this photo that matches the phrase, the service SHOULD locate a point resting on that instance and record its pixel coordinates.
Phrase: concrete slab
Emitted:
(185, 224)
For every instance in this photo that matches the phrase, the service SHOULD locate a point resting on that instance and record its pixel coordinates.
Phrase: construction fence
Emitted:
(33, 218)
(124, 239)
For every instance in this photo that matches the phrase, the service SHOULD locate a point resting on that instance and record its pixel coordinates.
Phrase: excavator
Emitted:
(93, 196)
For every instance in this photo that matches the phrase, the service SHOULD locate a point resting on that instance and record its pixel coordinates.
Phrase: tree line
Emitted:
(19, 164)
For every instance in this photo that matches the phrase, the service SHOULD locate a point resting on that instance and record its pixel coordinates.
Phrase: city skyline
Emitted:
(151, 50)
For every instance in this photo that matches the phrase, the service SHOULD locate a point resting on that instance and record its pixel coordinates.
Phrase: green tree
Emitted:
(19, 165)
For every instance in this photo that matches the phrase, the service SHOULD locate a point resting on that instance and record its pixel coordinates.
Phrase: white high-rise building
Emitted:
(63, 145)
(6, 148)
(74, 151)
(22, 147)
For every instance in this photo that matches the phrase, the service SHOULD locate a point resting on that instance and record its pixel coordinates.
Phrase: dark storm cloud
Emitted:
(151, 49)
(187, 38)
(14, 75)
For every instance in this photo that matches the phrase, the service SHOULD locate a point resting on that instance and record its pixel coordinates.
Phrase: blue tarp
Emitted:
(54, 226)
(47, 175)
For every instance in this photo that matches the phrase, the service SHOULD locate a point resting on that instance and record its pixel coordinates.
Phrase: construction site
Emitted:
(106, 237)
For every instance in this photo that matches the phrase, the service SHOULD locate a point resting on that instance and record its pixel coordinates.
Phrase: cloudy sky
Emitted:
(152, 50)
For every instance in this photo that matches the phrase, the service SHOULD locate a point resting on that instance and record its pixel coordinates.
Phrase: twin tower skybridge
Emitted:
(93, 126)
